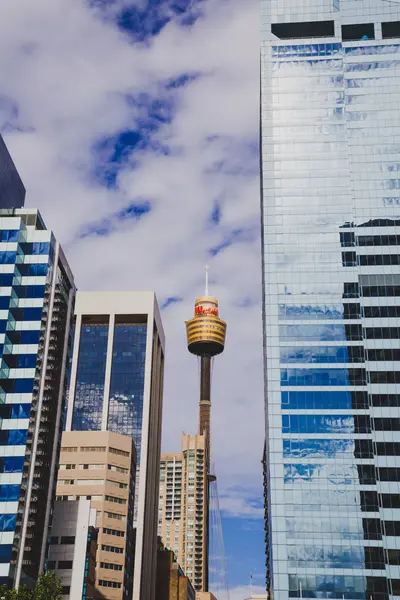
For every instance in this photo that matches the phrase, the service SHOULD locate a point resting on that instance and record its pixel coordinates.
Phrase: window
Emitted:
(69, 449)
(117, 451)
(93, 449)
(303, 30)
(363, 31)
(391, 29)
(92, 467)
(390, 500)
(112, 515)
(115, 532)
(65, 564)
(110, 584)
(114, 549)
(111, 566)
(117, 469)
(51, 565)
(114, 499)
(67, 539)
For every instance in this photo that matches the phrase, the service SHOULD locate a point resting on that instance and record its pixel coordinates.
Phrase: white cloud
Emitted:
(68, 74)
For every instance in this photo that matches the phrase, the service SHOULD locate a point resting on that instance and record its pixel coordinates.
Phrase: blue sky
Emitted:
(134, 124)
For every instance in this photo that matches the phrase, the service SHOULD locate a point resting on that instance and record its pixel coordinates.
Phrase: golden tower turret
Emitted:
(206, 339)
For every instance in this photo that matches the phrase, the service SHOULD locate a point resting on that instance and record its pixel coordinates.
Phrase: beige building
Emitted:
(100, 466)
(182, 517)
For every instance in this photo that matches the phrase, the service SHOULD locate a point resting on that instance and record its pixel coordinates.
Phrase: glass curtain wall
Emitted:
(330, 137)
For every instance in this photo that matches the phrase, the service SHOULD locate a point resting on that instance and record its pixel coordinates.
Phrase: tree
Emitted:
(48, 587)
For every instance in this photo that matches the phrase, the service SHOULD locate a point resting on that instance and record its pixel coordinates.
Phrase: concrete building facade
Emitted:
(99, 466)
(182, 516)
(116, 384)
(73, 548)
(36, 308)
(172, 583)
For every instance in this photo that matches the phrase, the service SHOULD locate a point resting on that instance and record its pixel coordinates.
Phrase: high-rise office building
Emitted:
(330, 137)
(12, 190)
(183, 506)
(116, 384)
(100, 466)
(36, 308)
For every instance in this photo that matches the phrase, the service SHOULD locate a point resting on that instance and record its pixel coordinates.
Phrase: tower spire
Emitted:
(207, 268)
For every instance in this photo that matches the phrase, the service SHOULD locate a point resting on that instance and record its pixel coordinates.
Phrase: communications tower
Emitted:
(206, 339)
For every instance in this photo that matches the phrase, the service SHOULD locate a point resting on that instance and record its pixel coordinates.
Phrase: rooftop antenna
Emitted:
(207, 269)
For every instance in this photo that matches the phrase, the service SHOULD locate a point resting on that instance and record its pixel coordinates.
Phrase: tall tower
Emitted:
(206, 339)
(330, 134)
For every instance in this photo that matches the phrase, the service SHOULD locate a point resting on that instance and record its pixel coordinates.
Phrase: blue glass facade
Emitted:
(119, 377)
(91, 373)
(35, 287)
(330, 137)
(125, 412)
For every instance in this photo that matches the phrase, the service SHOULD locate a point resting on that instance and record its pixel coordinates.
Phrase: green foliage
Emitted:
(48, 587)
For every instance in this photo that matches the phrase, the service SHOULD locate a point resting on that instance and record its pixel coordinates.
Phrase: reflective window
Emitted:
(322, 399)
(89, 390)
(322, 354)
(317, 424)
(320, 332)
(127, 381)
(321, 377)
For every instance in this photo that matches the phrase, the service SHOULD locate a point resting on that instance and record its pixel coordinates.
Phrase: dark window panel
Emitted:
(391, 29)
(374, 312)
(362, 424)
(372, 260)
(387, 448)
(389, 474)
(384, 376)
(374, 558)
(389, 500)
(366, 474)
(385, 399)
(358, 32)
(392, 528)
(369, 501)
(352, 310)
(363, 449)
(372, 529)
(384, 354)
(393, 558)
(309, 29)
(386, 424)
(382, 333)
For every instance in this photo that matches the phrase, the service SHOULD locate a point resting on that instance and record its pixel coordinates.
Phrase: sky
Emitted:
(134, 126)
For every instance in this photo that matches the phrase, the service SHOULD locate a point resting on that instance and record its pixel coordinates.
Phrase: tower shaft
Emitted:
(205, 401)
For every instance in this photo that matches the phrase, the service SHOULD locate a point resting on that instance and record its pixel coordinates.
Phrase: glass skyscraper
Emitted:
(116, 384)
(330, 141)
(36, 307)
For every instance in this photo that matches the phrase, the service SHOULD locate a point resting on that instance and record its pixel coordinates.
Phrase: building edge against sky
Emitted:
(12, 190)
(103, 397)
(330, 140)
